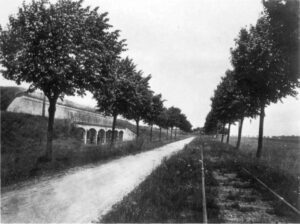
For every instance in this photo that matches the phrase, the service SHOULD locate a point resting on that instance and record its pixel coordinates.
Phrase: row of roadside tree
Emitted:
(64, 48)
(265, 63)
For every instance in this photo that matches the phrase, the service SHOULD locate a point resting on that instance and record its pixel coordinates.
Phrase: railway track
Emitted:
(204, 210)
(273, 192)
(262, 208)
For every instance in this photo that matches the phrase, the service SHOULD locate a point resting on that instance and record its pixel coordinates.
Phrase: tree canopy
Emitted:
(265, 63)
(59, 48)
(114, 98)
(141, 101)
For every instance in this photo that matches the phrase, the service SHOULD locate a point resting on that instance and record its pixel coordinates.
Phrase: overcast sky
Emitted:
(184, 45)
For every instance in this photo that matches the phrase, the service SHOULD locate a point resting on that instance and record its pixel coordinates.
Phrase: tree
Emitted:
(184, 124)
(229, 104)
(211, 125)
(173, 117)
(154, 111)
(260, 70)
(59, 48)
(141, 101)
(284, 17)
(222, 102)
(162, 121)
(115, 97)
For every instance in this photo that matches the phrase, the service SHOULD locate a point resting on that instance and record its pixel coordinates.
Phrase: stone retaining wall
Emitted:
(83, 117)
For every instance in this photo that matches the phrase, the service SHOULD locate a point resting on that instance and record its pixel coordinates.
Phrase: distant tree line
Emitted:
(265, 63)
(64, 48)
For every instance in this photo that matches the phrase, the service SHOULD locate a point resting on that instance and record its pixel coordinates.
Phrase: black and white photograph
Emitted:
(150, 111)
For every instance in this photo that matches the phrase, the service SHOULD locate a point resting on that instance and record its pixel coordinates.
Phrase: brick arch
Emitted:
(80, 133)
(120, 135)
(91, 136)
(108, 135)
(101, 136)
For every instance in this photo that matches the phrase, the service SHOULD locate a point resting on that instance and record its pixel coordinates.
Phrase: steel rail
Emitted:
(273, 192)
(204, 211)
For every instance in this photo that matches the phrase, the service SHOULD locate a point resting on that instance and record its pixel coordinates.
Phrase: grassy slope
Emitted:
(8, 94)
(23, 138)
(172, 192)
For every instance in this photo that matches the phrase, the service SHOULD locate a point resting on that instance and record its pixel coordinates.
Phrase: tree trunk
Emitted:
(51, 112)
(112, 140)
(240, 133)
(175, 133)
(151, 133)
(228, 134)
(44, 106)
(137, 128)
(298, 192)
(223, 129)
(171, 133)
(167, 133)
(261, 131)
(159, 133)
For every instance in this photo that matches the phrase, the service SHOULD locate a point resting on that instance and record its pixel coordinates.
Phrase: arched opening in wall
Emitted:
(80, 134)
(91, 136)
(121, 133)
(108, 135)
(101, 136)
(116, 136)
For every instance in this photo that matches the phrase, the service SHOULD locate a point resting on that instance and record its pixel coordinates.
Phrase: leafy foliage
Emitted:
(114, 98)
(141, 101)
(260, 65)
(284, 17)
(266, 68)
(60, 48)
(156, 109)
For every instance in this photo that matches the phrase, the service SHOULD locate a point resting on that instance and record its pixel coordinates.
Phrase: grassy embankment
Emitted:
(23, 139)
(172, 193)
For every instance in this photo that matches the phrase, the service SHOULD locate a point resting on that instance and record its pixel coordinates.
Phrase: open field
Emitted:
(172, 193)
(281, 154)
(23, 139)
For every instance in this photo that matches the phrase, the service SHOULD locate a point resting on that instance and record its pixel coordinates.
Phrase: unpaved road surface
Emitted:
(84, 195)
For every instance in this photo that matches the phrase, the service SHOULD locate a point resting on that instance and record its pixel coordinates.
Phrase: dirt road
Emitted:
(84, 195)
